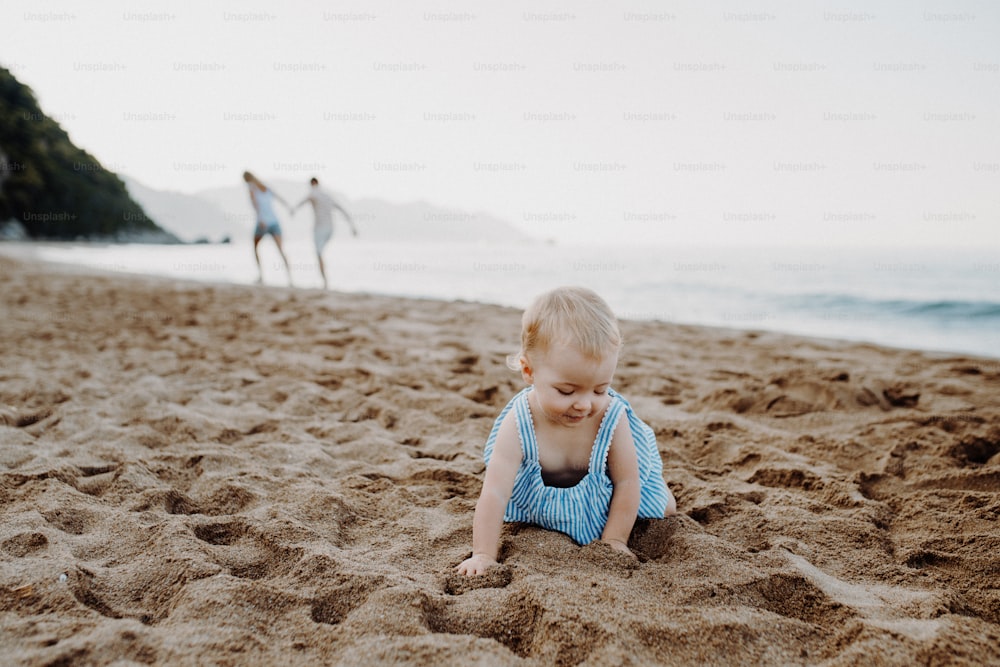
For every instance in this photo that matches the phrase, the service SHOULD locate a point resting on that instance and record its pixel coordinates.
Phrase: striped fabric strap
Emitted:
(599, 453)
(526, 428)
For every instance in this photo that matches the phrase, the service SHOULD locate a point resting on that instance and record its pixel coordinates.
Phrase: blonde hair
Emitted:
(253, 180)
(568, 315)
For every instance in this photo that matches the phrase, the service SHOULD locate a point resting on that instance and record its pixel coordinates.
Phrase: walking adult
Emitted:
(323, 207)
(262, 198)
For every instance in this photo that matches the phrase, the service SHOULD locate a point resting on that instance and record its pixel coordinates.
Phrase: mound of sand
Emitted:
(198, 474)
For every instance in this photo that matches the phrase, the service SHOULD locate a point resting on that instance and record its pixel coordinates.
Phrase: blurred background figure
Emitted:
(323, 206)
(262, 198)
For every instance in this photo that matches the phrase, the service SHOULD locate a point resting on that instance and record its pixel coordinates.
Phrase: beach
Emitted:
(224, 474)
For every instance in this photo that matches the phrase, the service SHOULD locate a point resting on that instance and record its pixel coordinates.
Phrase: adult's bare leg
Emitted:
(256, 256)
(322, 268)
(281, 251)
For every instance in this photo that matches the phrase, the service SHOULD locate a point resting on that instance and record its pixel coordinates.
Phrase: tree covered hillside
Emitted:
(54, 189)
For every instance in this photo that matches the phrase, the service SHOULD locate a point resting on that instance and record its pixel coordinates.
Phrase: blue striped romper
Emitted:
(580, 511)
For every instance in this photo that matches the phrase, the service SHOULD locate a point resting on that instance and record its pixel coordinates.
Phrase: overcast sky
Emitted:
(673, 122)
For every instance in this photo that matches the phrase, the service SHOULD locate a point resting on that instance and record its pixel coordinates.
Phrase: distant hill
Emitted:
(55, 190)
(190, 217)
(422, 221)
(221, 212)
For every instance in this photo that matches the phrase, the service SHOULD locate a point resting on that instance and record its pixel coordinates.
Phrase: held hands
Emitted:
(475, 565)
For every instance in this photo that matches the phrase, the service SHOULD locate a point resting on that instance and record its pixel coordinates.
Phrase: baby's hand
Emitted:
(618, 545)
(475, 565)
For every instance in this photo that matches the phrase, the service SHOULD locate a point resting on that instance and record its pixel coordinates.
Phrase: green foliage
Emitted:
(56, 190)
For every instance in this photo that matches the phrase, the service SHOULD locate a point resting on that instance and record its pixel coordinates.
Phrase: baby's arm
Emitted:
(497, 487)
(623, 468)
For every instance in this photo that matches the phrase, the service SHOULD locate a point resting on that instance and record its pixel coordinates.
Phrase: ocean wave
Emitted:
(925, 309)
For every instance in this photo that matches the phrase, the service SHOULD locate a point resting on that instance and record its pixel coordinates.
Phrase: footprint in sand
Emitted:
(244, 550)
(511, 618)
(24, 544)
(333, 605)
(976, 450)
(171, 501)
(75, 522)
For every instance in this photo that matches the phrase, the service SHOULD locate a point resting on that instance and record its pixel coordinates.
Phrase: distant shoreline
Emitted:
(746, 320)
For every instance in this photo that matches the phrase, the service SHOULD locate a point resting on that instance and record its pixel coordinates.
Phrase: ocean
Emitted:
(942, 299)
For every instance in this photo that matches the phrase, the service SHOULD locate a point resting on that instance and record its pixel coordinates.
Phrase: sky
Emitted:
(772, 123)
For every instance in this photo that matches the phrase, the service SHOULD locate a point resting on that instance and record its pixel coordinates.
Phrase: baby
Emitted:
(568, 453)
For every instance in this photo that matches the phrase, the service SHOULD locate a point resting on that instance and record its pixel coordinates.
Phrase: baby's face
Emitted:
(570, 386)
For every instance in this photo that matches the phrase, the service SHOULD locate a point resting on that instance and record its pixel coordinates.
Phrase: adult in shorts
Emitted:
(262, 198)
(323, 207)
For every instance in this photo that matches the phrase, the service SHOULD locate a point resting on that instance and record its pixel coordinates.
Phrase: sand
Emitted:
(200, 474)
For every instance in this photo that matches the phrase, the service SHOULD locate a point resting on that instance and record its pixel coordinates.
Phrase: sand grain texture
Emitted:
(196, 474)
